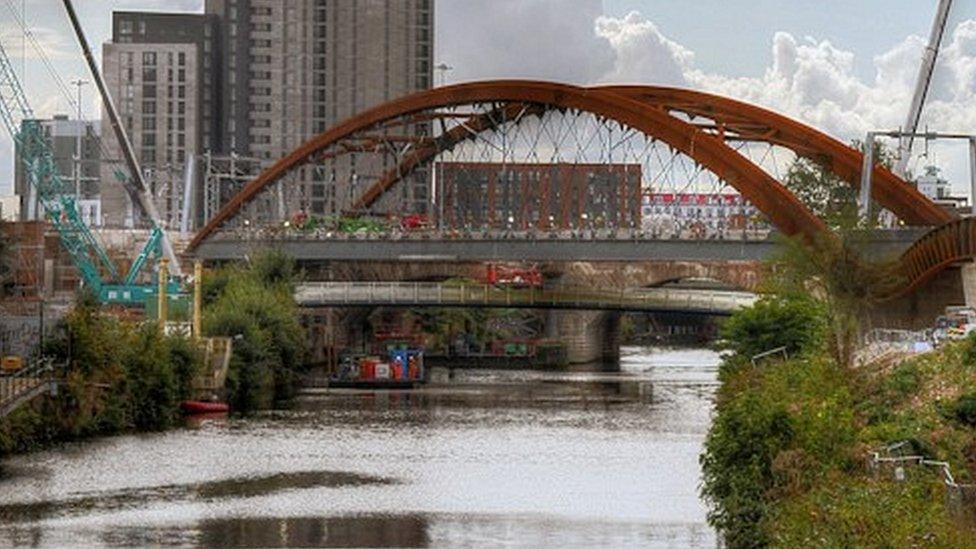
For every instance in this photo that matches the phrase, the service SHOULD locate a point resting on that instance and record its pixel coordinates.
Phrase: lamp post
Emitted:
(77, 163)
(443, 68)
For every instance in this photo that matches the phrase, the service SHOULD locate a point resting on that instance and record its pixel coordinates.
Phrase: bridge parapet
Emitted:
(399, 294)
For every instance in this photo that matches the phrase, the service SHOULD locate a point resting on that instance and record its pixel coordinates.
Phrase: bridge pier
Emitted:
(920, 309)
(589, 336)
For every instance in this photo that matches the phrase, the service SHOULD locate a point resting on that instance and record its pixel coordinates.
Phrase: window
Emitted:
(182, 59)
(148, 74)
(149, 90)
(148, 107)
(181, 108)
(182, 92)
(149, 123)
(182, 75)
(125, 27)
(149, 58)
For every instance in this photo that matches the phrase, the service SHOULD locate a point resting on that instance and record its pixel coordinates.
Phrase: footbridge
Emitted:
(419, 294)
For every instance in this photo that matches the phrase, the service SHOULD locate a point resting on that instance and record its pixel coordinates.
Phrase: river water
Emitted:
(584, 458)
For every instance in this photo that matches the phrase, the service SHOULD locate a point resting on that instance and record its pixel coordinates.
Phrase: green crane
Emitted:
(98, 272)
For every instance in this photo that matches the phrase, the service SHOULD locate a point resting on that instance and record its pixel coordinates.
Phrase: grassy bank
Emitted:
(785, 463)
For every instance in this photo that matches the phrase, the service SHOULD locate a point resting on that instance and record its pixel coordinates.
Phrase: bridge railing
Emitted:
(15, 387)
(421, 293)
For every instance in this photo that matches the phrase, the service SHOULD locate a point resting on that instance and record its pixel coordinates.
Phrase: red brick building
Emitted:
(543, 196)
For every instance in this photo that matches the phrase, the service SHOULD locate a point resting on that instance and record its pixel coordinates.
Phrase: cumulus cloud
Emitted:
(814, 80)
(642, 52)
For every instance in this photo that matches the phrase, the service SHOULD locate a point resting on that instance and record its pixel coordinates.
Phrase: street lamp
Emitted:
(77, 164)
(442, 69)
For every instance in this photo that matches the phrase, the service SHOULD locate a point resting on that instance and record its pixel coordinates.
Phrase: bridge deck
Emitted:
(398, 294)
(412, 248)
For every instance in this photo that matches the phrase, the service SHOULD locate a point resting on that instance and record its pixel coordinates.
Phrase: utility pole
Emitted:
(81, 128)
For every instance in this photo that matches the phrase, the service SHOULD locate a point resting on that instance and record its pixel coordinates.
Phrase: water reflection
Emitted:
(513, 458)
(360, 531)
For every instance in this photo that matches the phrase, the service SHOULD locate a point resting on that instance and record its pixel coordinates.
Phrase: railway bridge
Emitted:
(611, 186)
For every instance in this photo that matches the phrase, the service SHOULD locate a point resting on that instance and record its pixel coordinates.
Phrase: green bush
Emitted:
(904, 379)
(120, 376)
(773, 322)
(255, 305)
(737, 466)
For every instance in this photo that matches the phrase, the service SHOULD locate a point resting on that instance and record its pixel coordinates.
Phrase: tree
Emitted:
(795, 323)
(824, 193)
(835, 269)
(255, 305)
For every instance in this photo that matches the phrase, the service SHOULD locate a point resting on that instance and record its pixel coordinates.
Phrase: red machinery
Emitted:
(521, 277)
(415, 222)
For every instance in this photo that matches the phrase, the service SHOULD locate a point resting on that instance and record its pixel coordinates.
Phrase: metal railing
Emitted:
(961, 496)
(23, 385)
(486, 295)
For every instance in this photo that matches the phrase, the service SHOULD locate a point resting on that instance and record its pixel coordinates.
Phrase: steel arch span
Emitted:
(783, 209)
(733, 120)
(666, 115)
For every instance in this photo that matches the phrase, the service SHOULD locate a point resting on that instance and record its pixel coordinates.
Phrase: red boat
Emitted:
(196, 407)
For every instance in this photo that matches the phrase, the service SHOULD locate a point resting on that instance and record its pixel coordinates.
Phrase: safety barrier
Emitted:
(485, 295)
(26, 384)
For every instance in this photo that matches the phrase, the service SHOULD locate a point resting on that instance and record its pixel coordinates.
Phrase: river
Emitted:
(584, 458)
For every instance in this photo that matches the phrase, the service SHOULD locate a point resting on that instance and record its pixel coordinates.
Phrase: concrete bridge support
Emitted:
(919, 310)
(589, 336)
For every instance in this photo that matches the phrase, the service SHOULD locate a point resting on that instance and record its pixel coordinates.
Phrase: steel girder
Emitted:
(937, 250)
(784, 210)
(742, 121)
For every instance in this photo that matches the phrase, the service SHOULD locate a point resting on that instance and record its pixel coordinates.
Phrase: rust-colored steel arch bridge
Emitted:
(512, 121)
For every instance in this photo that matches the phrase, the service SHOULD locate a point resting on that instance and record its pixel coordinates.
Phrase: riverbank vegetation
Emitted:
(121, 375)
(786, 460)
(117, 376)
(253, 303)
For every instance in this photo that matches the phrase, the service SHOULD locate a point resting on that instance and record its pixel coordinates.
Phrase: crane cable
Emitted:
(53, 72)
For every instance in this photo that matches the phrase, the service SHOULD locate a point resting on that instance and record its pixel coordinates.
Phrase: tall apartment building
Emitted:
(260, 77)
(161, 70)
(64, 136)
(294, 69)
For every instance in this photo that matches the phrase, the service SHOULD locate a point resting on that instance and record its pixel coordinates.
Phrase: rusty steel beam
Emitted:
(783, 209)
(889, 190)
(937, 250)
(462, 132)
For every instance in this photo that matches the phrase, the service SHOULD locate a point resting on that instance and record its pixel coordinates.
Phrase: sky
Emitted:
(843, 66)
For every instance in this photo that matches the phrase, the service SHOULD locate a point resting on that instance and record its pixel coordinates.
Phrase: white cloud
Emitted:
(643, 52)
(815, 81)
(53, 43)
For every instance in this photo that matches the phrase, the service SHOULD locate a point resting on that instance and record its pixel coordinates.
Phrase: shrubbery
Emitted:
(773, 322)
(120, 376)
(784, 462)
(255, 305)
